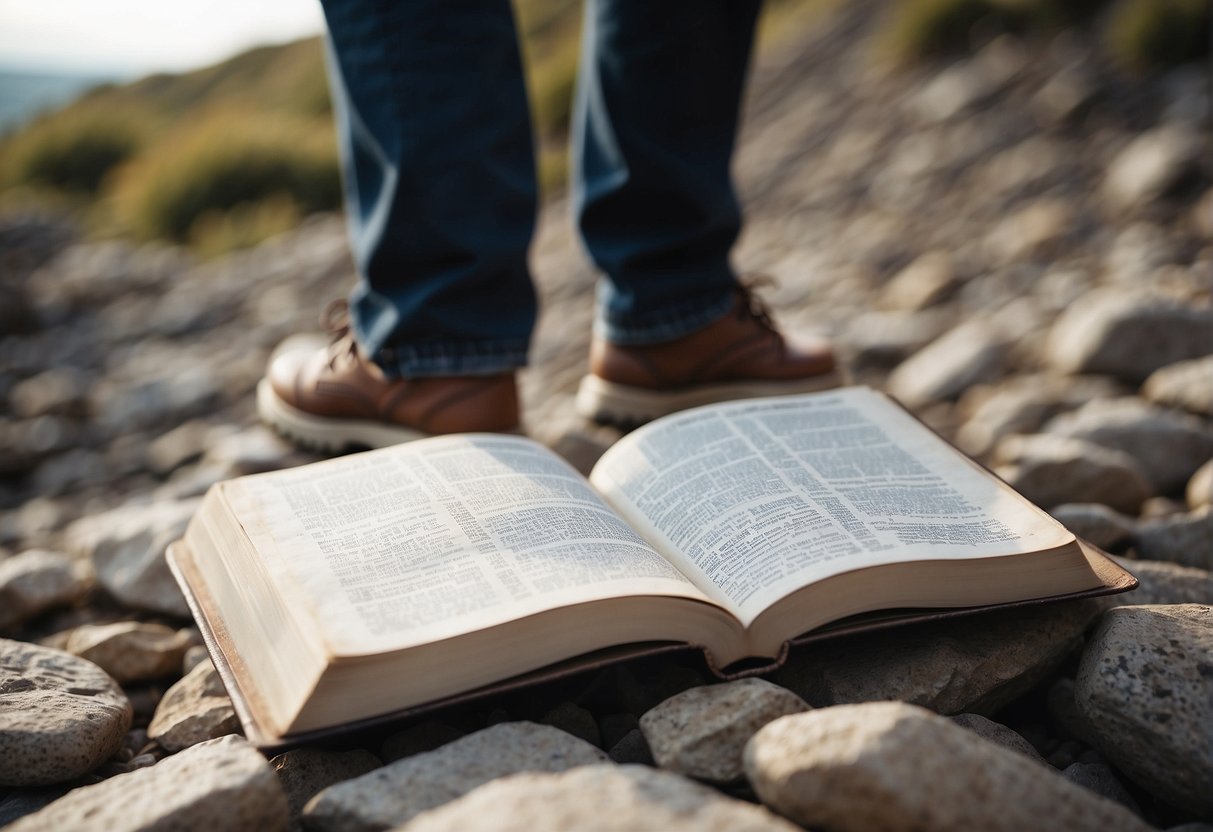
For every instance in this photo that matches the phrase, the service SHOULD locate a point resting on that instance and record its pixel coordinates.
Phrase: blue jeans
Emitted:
(436, 141)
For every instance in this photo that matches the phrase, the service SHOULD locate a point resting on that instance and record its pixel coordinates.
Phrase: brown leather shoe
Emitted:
(741, 355)
(333, 398)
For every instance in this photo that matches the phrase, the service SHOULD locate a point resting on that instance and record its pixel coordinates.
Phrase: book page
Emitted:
(423, 541)
(757, 498)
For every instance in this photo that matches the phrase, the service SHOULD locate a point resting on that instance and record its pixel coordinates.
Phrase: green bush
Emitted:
(244, 225)
(1146, 34)
(72, 151)
(229, 159)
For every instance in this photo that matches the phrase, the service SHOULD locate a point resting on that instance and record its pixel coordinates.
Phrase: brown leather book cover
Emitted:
(247, 703)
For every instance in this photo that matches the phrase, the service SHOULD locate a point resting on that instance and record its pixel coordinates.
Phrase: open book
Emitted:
(358, 586)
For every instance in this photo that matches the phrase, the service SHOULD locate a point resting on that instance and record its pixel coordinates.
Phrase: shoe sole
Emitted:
(625, 406)
(326, 435)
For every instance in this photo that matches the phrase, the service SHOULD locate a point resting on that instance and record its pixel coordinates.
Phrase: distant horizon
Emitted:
(127, 39)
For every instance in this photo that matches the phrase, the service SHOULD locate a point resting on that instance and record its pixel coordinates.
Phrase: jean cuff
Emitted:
(476, 358)
(660, 326)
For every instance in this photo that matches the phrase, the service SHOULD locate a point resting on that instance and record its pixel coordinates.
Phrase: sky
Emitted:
(136, 37)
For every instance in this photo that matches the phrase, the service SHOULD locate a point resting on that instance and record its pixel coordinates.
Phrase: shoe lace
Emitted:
(750, 305)
(336, 321)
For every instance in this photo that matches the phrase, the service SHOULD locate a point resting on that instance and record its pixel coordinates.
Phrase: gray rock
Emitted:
(1186, 539)
(194, 710)
(1100, 779)
(976, 664)
(1165, 583)
(701, 732)
(249, 451)
(1150, 165)
(60, 716)
(573, 719)
(1032, 233)
(1199, 493)
(131, 651)
(1064, 95)
(998, 734)
(1143, 687)
(222, 784)
(127, 548)
(1126, 335)
(892, 766)
(599, 797)
(193, 657)
(1106, 528)
(1187, 385)
(632, 747)
(1054, 470)
(391, 795)
(24, 802)
(1168, 446)
(972, 353)
(38, 580)
(304, 772)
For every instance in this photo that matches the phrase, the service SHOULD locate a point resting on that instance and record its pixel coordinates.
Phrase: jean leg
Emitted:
(440, 181)
(655, 125)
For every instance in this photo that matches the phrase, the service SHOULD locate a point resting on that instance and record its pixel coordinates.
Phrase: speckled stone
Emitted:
(131, 651)
(38, 580)
(1145, 689)
(60, 716)
(393, 794)
(701, 732)
(304, 772)
(221, 784)
(601, 797)
(195, 709)
(997, 733)
(892, 766)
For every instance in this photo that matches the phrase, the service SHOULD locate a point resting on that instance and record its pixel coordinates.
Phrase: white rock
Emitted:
(701, 732)
(194, 710)
(1151, 164)
(921, 284)
(1054, 470)
(1128, 335)
(1144, 689)
(131, 651)
(38, 580)
(974, 352)
(127, 548)
(1187, 385)
(222, 784)
(600, 797)
(1199, 492)
(892, 766)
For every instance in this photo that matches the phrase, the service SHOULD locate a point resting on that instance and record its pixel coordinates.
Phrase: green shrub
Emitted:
(71, 151)
(1145, 34)
(228, 159)
(244, 225)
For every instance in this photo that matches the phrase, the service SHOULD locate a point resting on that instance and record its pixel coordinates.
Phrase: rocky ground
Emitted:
(1018, 245)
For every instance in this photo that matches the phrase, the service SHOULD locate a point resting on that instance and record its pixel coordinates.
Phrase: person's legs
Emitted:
(436, 140)
(656, 123)
(438, 163)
